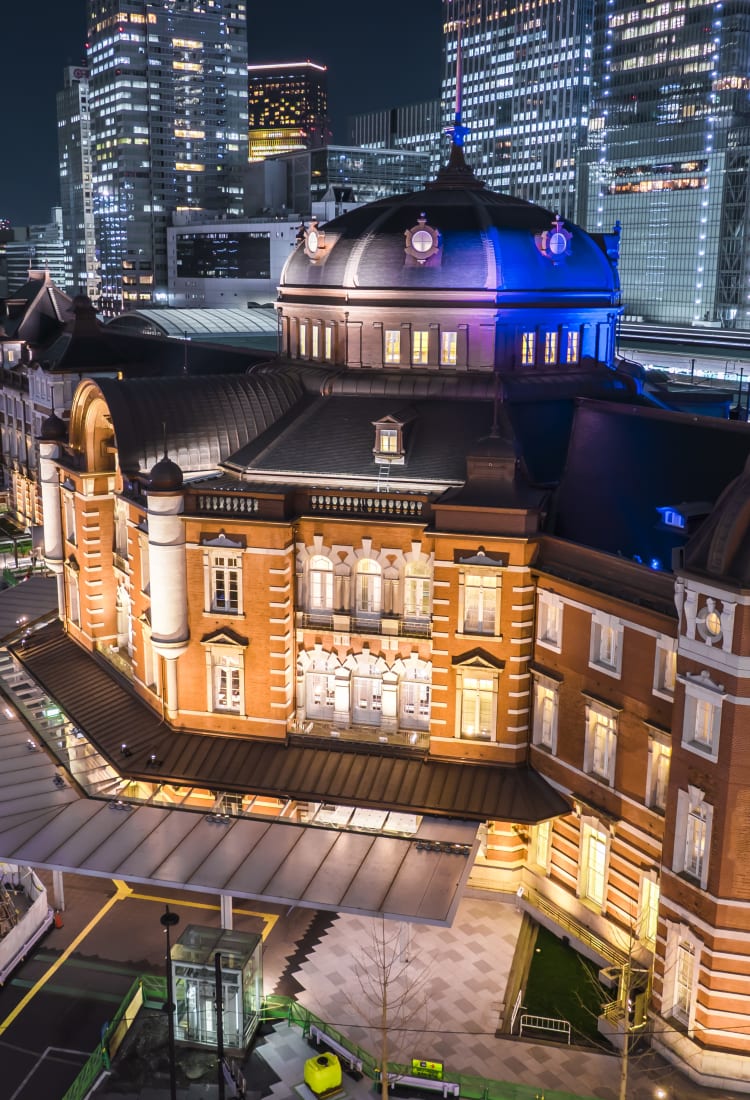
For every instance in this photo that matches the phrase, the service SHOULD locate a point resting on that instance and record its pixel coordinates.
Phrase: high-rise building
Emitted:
(76, 182)
(287, 108)
(668, 155)
(38, 247)
(168, 92)
(415, 126)
(526, 86)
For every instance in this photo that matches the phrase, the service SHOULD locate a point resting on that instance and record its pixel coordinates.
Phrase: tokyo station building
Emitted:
(440, 559)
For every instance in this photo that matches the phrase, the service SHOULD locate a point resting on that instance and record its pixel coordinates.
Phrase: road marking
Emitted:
(122, 891)
(268, 918)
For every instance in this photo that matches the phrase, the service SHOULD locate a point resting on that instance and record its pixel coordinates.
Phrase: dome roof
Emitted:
(721, 546)
(53, 430)
(165, 477)
(483, 241)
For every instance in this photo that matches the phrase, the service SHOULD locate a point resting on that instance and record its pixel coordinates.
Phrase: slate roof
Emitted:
(624, 462)
(206, 419)
(111, 714)
(488, 243)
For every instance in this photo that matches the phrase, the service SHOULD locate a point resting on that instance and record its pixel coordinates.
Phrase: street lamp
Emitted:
(168, 920)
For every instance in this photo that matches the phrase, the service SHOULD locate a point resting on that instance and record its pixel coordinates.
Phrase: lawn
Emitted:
(561, 983)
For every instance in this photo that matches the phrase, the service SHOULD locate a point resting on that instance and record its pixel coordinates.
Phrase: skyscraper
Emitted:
(168, 88)
(288, 108)
(76, 182)
(668, 155)
(526, 84)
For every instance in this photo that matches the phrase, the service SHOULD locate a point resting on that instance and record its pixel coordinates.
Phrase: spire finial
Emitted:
(457, 132)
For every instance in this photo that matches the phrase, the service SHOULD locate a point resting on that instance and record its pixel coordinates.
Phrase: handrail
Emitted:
(607, 951)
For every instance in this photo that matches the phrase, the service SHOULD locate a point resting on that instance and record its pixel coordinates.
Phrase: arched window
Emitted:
(319, 693)
(320, 584)
(369, 589)
(417, 590)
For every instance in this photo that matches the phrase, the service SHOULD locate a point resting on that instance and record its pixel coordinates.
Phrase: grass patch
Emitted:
(563, 984)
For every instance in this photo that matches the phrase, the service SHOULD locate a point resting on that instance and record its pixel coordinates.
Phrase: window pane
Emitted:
(448, 348)
(393, 346)
(419, 345)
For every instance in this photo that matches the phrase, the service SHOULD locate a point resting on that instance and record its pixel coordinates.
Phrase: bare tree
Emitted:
(393, 988)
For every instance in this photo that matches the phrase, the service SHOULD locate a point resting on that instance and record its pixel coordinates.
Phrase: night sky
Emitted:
(380, 54)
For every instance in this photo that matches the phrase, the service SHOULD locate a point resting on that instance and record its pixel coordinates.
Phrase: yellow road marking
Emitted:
(122, 891)
(268, 918)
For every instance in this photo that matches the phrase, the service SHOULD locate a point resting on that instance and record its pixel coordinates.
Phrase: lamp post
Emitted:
(168, 920)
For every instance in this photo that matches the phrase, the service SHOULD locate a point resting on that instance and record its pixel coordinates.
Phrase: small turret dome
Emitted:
(54, 430)
(165, 477)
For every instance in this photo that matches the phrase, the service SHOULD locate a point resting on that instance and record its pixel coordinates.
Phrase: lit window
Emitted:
(448, 348)
(601, 741)
(546, 699)
(417, 590)
(593, 865)
(606, 643)
(369, 582)
(684, 980)
(701, 722)
(320, 695)
(480, 592)
(648, 919)
(414, 704)
(367, 702)
(572, 347)
(681, 959)
(420, 346)
(328, 343)
(528, 348)
(226, 571)
(227, 680)
(542, 844)
(477, 706)
(549, 619)
(393, 346)
(550, 347)
(665, 667)
(303, 340)
(315, 342)
(69, 507)
(657, 778)
(388, 441)
(692, 835)
(320, 579)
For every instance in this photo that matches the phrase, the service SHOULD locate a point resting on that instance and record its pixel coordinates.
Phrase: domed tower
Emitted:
(166, 553)
(452, 278)
(53, 434)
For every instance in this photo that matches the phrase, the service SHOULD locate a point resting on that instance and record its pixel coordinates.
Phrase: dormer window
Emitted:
(389, 438)
(672, 518)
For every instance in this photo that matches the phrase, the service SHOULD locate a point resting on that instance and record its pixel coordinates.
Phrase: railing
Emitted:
(418, 740)
(223, 504)
(381, 625)
(152, 993)
(546, 1023)
(377, 504)
(516, 1010)
(564, 920)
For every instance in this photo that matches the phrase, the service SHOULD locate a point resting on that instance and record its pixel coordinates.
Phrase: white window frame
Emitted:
(392, 345)
(225, 566)
(665, 667)
(448, 348)
(226, 674)
(701, 723)
(319, 584)
(485, 587)
(680, 994)
(692, 837)
(417, 591)
(607, 636)
(657, 774)
(600, 751)
(414, 702)
(648, 908)
(545, 712)
(475, 684)
(121, 528)
(320, 694)
(541, 844)
(551, 348)
(594, 840)
(69, 512)
(572, 346)
(368, 587)
(420, 346)
(367, 689)
(549, 620)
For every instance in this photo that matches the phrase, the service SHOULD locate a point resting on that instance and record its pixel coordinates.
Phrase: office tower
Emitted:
(76, 182)
(288, 108)
(38, 248)
(168, 92)
(668, 155)
(526, 85)
(416, 126)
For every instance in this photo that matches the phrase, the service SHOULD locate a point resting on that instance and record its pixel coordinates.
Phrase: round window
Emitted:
(421, 240)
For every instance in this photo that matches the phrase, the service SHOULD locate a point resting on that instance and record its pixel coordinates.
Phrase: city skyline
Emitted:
(29, 182)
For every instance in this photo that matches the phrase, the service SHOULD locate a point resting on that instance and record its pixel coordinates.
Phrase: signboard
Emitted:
(433, 1070)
